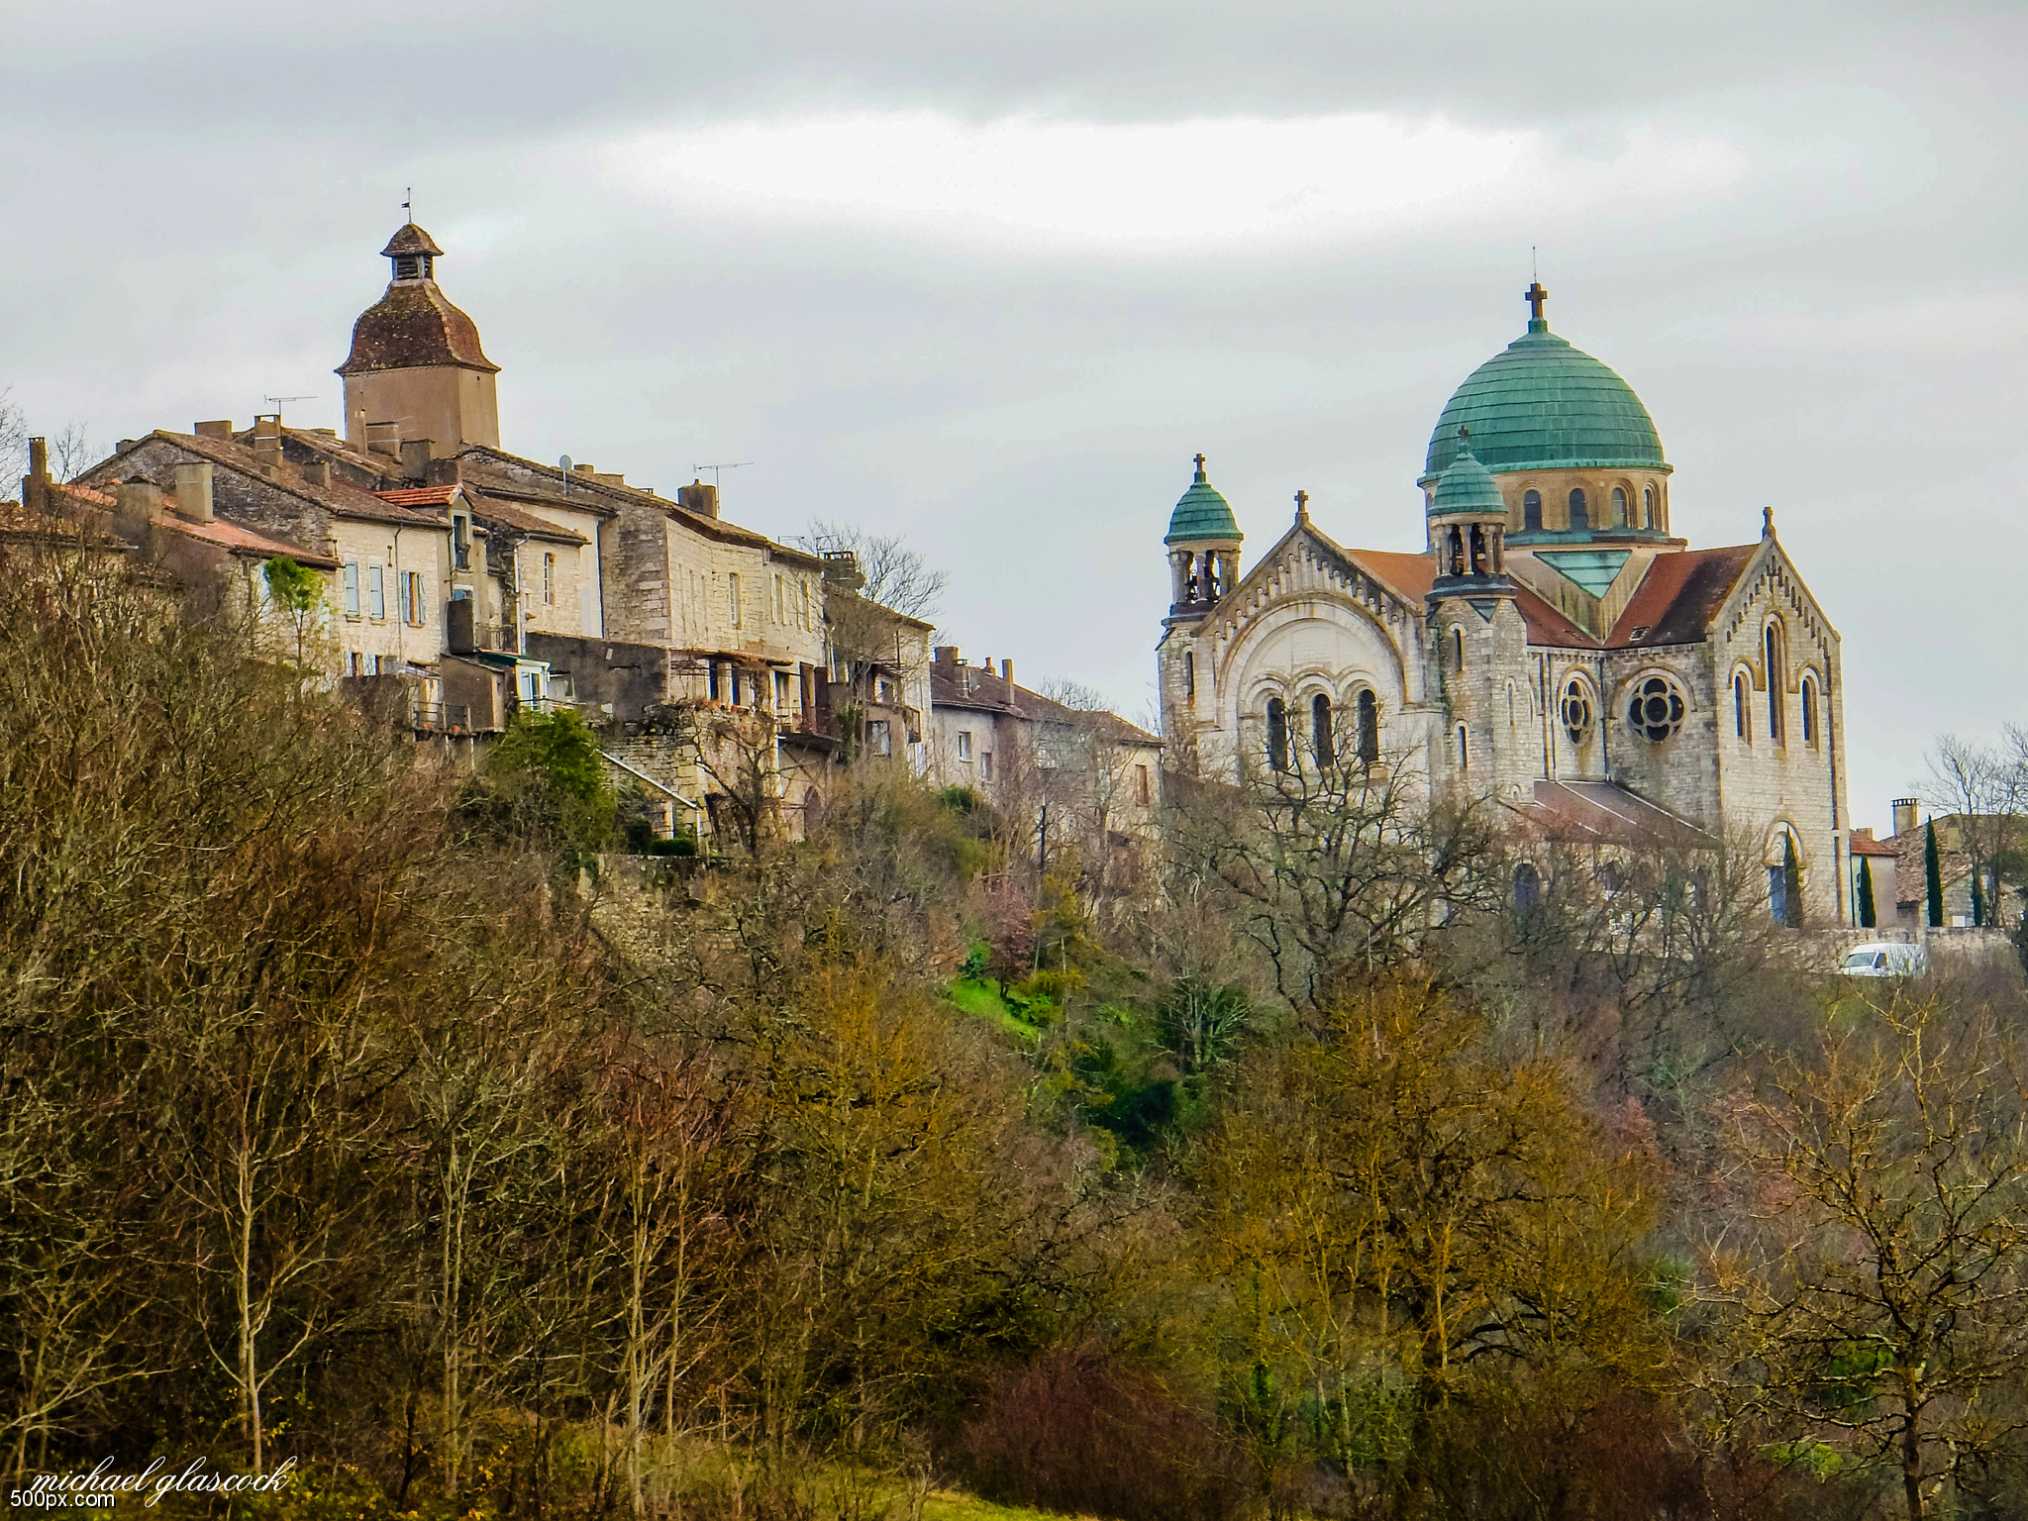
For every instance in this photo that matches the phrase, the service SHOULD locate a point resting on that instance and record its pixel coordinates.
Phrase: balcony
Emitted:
(440, 717)
(466, 635)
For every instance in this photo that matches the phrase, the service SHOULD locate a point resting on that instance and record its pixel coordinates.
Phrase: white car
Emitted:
(1885, 958)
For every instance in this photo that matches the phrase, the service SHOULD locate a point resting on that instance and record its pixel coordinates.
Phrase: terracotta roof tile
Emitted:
(1679, 596)
(413, 324)
(1586, 812)
(244, 541)
(419, 496)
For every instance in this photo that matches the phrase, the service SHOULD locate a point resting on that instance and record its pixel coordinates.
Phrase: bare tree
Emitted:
(1880, 1275)
(891, 573)
(1983, 788)
(1336, 866)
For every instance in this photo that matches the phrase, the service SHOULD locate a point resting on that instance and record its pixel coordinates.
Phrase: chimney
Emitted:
(1906, 811)
(193, 490)
(944, 656)
(1007, 675)
(317, 472)
(222, 428)
(582, 470)
(267, 443)
(699, 498)
(445, 472)
(416, 454)
(616, 478)
(35, 484)
(384, 438)
(140, 500)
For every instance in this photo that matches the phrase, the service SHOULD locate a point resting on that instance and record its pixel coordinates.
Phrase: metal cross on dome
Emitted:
(1535, 295)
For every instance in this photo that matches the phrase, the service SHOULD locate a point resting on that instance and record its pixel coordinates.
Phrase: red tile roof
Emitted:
(1863, 844)
(418, 496)
(411, 325)
(1603, 812)
(244, 541)
(1679, 596)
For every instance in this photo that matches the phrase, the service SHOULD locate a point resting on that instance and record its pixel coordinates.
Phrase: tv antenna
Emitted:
(736, 464)
(275, 402)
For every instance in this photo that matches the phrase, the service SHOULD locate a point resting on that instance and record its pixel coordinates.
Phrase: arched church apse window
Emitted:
(1656, 709)
(1277, 734)
(1810, 711)
(1320, 729)
(1464, 751)
(1772, 641)
(1367, 711)
(1531, 511)
(1580, 510)
(1739, 706)
(1527, 889)
(1621, 519)
(1648, 507)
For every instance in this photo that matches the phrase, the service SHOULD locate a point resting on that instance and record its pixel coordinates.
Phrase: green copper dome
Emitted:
(1541, 404)
(1201, 513)
(1466, 486)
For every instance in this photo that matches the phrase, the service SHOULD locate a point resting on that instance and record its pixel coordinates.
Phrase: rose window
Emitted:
(1655, 711)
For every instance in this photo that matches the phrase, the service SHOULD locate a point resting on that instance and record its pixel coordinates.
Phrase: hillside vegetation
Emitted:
(376, 1113)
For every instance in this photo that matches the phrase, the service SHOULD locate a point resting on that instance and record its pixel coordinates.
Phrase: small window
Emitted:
(986, 765)
(1531, 512)
(781, 691)
(1575, 709)
(549, 579)
(964, 744)
(1189, 673)
(1656, 708)
(1648, 507)
(1739, 706)
(1580, 510)
(412, 597)
(879, 738)
(1457, 650)
(352, 590)
(1773, 648)
(1277, 734)
(1810, 711)
(711, 681)
(1367, 711)
(376, 593)
(1320, 728)
(1621, 518)
(461, 542)
(1143, 785)
(1464, 750)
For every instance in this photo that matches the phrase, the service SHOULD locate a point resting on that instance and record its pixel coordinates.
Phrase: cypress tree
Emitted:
(1978, 897)
(1792, 883)
(1932, 876)
(1865, 893)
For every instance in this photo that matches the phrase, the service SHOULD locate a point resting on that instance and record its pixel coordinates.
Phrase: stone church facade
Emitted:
(1554, 644)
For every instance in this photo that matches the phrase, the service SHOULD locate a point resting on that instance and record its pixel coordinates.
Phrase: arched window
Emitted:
(1648, 507)
(1575, 709)
(1527, 889)
(1277, 734)
(1810, 711)
(1531, 511)
(1739, 706)
(1620, 516)
(1772, 642)
(1320, 729)
(1368, 711)
(1464, 751)
(1580, 510)
(1189, 673)
(1457, 650)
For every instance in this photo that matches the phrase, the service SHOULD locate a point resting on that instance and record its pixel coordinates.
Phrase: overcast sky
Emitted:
(988, 275)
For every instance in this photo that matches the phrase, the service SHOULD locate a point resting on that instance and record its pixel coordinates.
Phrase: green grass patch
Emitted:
(982, 1000)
